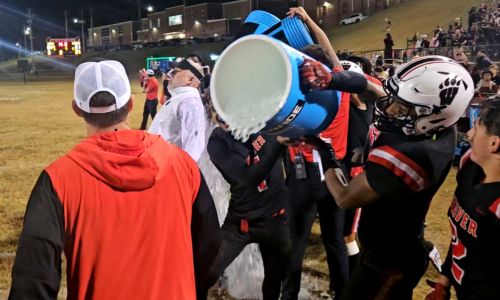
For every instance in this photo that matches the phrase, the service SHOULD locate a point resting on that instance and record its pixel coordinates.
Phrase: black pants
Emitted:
(372, 281)
(273, 237)
(306, 198)
(149, 109)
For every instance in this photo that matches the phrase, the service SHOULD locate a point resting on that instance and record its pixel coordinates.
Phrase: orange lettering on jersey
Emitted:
(459, 214)
(463, 223)
(258, 143)
(472, 228)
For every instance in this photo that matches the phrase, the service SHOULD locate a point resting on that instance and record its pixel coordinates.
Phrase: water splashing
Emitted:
(246, 273)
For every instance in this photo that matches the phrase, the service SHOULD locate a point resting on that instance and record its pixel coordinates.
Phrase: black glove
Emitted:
(326, 152)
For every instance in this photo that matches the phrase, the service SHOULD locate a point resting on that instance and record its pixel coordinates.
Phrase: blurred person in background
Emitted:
(142, 77)
(388, 44)
(151, 103)
(494, 69)
(486, 87)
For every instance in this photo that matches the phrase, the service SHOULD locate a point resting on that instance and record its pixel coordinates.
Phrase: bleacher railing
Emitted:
(402, 55)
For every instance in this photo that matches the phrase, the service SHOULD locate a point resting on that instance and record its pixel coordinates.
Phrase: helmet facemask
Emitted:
(394, 114)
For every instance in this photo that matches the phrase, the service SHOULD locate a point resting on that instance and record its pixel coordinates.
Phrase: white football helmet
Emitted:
(437, 91)
(351, 66)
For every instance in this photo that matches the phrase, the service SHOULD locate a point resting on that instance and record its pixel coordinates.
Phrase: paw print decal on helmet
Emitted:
(449, 89)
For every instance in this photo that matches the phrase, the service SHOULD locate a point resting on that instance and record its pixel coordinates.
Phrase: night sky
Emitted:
(49, 15)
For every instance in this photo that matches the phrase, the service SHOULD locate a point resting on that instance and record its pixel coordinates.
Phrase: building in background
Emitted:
(213, 20)
(114, 35)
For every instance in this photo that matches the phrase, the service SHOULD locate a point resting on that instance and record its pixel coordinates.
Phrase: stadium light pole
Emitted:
(139, 15)
(30, 23)
(82, 22)
(26, 32)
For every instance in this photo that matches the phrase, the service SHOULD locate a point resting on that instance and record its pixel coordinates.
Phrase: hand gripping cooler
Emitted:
(256, 86)
(290, 31)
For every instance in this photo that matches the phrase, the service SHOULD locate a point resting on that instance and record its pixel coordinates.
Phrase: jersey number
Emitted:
(458, 251)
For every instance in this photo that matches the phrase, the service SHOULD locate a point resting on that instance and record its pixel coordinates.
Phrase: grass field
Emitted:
(38, 126)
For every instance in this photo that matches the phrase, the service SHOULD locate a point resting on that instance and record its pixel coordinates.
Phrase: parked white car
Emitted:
(353, 19)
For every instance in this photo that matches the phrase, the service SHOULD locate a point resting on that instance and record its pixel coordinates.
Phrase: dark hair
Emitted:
(378, 69)
(490, 116)
(365, 63)
(197, 56)
(391, 71)
(486, 71)
(103, 99)
(318, 53)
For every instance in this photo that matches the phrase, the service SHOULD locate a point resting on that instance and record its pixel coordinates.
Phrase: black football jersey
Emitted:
(472, 263)
(254, 171)
(405, 172)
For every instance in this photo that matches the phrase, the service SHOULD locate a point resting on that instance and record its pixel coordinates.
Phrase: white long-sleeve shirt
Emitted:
(182, 122)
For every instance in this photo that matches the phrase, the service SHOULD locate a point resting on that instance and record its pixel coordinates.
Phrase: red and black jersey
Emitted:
(254, 171)
(472, 263)
(405, 172)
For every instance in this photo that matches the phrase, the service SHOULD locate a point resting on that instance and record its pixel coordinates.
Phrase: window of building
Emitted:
(105, 32)
(120, 30)
(345, 7)
(150, 23)
(158, 22)
(175, 20)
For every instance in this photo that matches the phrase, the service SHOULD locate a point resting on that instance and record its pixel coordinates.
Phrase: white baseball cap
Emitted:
(150, 72)
(104, 76)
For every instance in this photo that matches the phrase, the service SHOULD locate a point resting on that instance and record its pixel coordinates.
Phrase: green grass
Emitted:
(416, 15)
(39, 126)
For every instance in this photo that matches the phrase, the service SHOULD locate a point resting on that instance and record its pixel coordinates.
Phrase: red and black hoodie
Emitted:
(133, 216)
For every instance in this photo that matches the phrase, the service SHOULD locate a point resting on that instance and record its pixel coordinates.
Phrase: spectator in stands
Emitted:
(389, 43)
(458, 38)
(473, 15)
(425, 43)
(413, 41)
(482, 60)
(486, 87)
(388, 24)
(495, 74)
(462, 59)
(380, 74)
(391, 70)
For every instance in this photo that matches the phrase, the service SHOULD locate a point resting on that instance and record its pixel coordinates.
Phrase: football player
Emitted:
(472, 265)
(406, 165)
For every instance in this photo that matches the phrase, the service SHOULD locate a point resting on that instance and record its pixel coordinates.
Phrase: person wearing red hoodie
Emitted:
(131, 212)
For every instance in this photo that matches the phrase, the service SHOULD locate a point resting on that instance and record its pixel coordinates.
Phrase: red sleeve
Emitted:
(338, 69)
(373, 79)
(337, 131)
